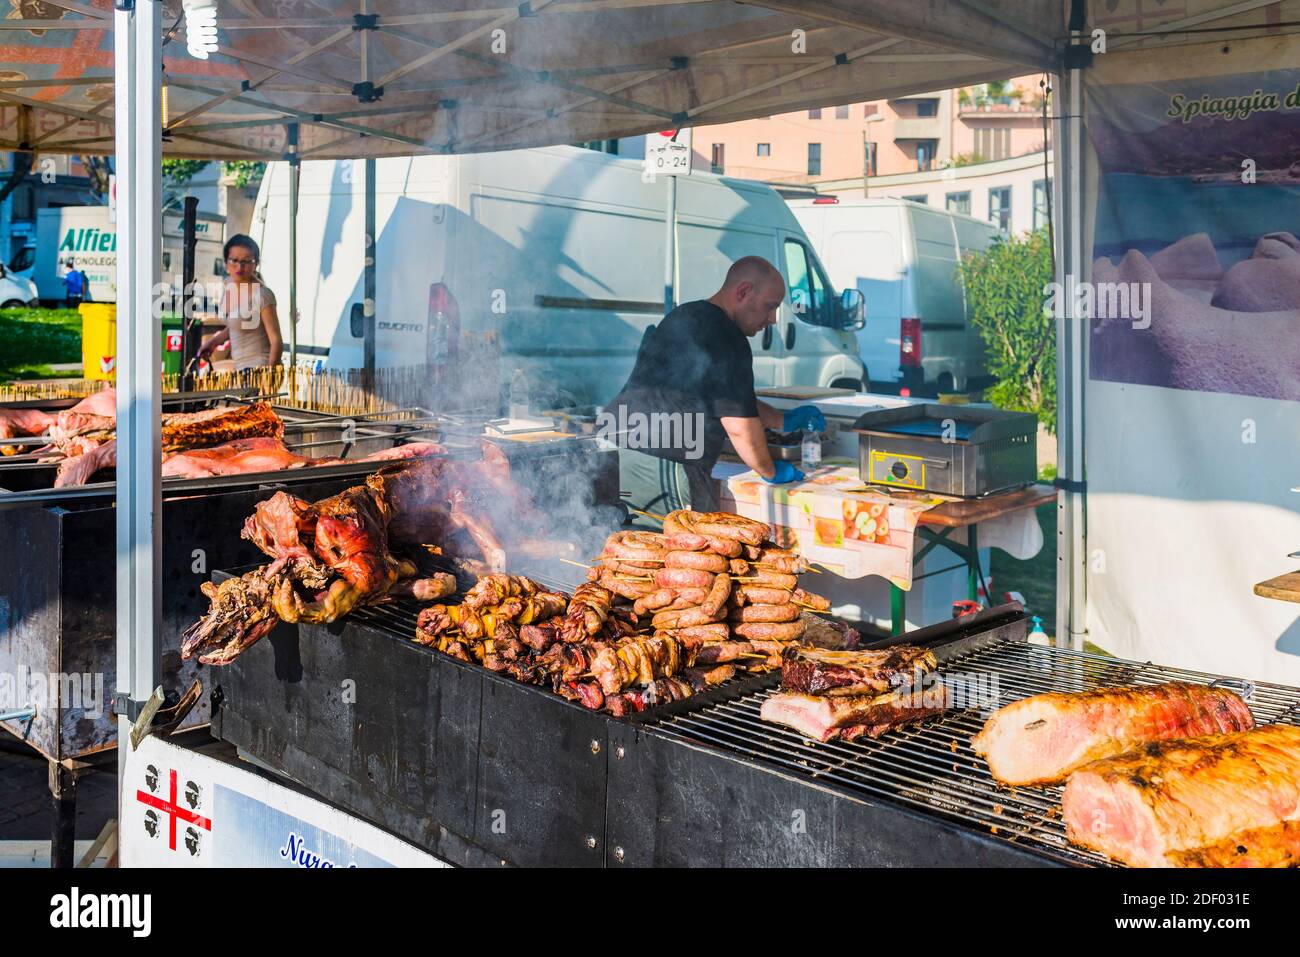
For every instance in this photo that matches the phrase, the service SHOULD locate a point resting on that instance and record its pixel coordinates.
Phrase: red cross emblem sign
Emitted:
(171, 807)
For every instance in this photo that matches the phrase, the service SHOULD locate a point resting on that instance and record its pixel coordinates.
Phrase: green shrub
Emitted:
(1005, 288)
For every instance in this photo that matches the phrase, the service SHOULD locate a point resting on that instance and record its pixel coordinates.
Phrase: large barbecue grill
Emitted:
(58, 607)
(438, 750)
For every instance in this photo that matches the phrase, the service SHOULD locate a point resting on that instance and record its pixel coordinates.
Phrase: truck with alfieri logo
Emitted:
(85, 236)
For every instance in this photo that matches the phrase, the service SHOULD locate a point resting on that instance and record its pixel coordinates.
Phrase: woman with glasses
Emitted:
(248, 308)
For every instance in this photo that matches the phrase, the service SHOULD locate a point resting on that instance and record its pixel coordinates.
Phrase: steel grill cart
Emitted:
(480, 770)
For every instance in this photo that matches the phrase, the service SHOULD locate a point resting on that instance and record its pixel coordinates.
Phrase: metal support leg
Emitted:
(897, 610)
(973, 565)
(63, 830)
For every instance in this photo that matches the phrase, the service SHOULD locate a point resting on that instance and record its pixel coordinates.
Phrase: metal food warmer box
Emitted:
(962, 450)
(482, 771)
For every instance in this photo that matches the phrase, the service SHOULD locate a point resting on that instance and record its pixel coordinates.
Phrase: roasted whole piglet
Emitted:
(350, 539)
(334, 555)
(241, 614)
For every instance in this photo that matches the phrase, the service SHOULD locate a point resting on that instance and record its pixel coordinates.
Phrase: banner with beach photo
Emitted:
(1193, 427)
(1196, 226)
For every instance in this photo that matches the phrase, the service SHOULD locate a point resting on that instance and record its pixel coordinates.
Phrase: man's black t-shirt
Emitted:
(696, 363)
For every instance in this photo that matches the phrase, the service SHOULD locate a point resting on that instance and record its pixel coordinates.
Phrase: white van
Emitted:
(903, 256)
(559, 250)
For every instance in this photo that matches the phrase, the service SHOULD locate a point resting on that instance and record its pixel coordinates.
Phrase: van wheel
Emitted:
(855, 384)
(13, 304)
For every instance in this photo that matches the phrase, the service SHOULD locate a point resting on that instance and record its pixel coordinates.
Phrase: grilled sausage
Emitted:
(712, 632)
(682, 618)
(635, 545)
(780, 560)
(787, 612)
(727, 525)
(701, 678)
(687, 523)
(628, 589)
(712, 605)
(762, 595)
(739, 566)
(682, 578)
(815, 602)
(761, 576)
(689, 542)
(704, 561)
(771, 630)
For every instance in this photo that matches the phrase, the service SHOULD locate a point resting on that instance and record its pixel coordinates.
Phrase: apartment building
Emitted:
(902, 146)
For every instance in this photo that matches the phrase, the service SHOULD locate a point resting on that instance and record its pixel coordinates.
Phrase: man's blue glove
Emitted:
(785, 473)
(797, 419)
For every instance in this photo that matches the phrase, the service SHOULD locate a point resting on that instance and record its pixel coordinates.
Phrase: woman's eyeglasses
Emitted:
(242, 262)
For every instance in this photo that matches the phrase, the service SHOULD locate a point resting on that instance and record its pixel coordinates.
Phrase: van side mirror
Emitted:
(853, 309)
(358, 320)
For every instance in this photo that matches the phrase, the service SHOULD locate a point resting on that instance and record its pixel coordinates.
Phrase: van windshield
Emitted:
(808, 288)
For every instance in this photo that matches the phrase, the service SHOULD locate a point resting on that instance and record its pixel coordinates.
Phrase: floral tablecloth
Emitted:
(835, 521)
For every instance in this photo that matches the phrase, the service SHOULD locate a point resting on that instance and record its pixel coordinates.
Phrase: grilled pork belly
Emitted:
(827, 718)
(1040, 740)
(824, 672)
(1276, 846)
(1149, 807)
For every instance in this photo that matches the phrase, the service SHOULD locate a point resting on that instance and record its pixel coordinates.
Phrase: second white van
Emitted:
(560, 251)
(903, 257)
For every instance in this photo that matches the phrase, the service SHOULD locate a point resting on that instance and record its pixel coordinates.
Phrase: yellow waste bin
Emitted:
(98, 340)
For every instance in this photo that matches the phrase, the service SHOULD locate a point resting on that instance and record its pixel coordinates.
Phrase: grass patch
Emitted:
(33, 339)
(1034, 578)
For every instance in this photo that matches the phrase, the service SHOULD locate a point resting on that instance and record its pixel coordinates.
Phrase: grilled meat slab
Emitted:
(1040, 740)
(196, 430)
(824, 672)
(1276, 846)
(1148, 807)
(827, 718)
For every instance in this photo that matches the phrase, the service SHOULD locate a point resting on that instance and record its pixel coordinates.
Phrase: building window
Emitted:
(814, 114)
(993, 143)
(841, 112)
(814, 159)
(927, 107)
(1042, 203)
(958, 202)
(719, 161)
(922, 199)
(925, 154)
(869, 109)
(1000, 208)
(868, 159)
(764, 149)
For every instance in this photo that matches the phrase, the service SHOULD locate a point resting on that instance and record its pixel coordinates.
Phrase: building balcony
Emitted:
(918, 128)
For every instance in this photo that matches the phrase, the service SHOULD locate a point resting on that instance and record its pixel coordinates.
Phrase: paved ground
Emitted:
(25, 802)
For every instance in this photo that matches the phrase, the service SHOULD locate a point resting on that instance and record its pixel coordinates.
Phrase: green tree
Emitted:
(1006, 287)
(181, 171)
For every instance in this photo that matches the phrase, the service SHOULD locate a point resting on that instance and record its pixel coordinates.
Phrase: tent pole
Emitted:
(295, 173)
(138, 125)
(369, 300)
(670, 246)
(1071, 529)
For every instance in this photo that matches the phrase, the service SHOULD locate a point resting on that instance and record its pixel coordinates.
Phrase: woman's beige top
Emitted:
(242, 308)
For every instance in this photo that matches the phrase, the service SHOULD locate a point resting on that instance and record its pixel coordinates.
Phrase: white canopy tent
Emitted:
(372, 78)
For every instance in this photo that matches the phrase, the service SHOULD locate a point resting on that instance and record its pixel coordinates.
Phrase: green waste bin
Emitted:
(173, 344)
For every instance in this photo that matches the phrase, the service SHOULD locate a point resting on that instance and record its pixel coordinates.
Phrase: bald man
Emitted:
(692, 384)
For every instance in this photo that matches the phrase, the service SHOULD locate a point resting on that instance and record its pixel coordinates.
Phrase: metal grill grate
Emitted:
(931, 767)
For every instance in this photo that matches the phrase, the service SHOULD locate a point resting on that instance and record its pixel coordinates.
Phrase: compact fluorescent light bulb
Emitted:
(200, 27)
